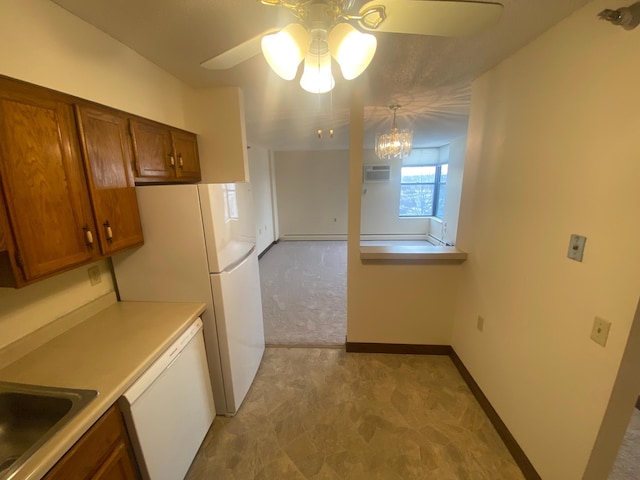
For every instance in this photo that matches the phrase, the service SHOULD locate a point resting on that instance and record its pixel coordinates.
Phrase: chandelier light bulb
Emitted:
(285, 49)
(352, 49)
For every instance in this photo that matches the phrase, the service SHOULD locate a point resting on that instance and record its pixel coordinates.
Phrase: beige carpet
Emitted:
(627, 464)
(324, 414)
(304, 287)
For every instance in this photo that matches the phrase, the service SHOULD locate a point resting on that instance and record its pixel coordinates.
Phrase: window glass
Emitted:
(423, 190)
(418, 174)
(444, 169)
(416, 200)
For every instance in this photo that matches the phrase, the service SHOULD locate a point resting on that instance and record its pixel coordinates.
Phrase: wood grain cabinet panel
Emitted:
(154, 158)
(106, 151)
(43, 183)
(103, 453)
(118, 465)
(164, 154)
(187, 161)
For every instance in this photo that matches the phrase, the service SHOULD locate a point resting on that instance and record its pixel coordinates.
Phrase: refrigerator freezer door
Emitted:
(227, 215)
(238, 307)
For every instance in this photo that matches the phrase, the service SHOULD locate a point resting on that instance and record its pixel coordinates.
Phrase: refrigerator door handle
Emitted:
(239, 262)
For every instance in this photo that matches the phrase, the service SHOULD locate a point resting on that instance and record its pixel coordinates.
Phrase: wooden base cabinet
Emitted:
(103, 453)
(164, 154)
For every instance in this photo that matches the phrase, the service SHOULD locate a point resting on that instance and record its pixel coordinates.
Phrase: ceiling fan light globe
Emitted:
(352, 49)
(317, 76)
(285, 49)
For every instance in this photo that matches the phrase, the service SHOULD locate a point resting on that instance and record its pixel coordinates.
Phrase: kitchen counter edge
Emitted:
(106, 352)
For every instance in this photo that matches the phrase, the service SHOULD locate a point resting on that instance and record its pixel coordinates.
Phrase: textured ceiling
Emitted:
(429, 76)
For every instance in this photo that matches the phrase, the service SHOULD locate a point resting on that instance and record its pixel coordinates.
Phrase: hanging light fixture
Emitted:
(317, 37)
(394, 143)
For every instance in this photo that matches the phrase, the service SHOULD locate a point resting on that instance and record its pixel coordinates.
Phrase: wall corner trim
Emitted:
(510, 442)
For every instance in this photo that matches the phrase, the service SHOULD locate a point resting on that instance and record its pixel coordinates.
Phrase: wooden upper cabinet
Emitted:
(154, 158)
(43, 183)
(187, 160)
(164, 154)
(106, 149)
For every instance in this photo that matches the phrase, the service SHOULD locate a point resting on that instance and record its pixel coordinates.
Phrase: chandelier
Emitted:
(395, 143)
(316, 38)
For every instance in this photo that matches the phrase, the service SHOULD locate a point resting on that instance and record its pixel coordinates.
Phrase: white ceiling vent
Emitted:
(377, 173)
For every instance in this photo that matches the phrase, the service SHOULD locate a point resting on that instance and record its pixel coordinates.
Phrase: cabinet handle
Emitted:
(180, 162)
(108, 231)
(172, 160)
(88, 236)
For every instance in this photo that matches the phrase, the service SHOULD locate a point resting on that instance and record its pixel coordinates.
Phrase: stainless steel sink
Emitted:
(29, 416)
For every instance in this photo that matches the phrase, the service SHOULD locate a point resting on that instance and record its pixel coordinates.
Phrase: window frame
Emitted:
(436, 189)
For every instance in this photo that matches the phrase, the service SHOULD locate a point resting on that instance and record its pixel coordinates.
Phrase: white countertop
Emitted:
(106, 352)
(425, 253)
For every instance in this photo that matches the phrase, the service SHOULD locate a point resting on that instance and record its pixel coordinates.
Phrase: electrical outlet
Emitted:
(600, 331)
(480, 323)
(94, 275)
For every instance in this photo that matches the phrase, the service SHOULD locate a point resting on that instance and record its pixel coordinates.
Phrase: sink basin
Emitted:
(29, 416)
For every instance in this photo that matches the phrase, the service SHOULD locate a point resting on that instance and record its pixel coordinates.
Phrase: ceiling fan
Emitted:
(325, 29)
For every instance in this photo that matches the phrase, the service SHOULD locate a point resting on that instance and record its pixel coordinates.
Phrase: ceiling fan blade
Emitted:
(237, 54)
(430, 17)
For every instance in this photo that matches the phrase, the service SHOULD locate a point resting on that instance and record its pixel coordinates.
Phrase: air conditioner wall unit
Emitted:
(376, 173)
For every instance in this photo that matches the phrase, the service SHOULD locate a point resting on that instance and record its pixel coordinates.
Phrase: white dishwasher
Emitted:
(169, 409)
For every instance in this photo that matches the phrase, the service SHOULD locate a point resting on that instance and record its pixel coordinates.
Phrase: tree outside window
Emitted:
(423, 190)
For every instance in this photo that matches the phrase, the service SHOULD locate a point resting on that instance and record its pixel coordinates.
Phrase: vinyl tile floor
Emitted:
(324, 414)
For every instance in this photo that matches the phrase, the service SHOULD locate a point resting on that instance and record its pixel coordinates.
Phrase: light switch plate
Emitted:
(576, 247)
(600, 331)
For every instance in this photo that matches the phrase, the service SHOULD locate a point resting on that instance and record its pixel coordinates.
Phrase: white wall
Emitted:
(217, 116)
(312, 193)
(552, 151)
(45, 45)
(260, 174)
(403, 302)
(24, 310)
(381, 201)
(310, 182)
(453, 154)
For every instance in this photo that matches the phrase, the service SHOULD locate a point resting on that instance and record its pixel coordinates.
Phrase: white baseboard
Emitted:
(287, 238)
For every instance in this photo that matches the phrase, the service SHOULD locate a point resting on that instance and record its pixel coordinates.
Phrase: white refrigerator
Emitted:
(199, 246)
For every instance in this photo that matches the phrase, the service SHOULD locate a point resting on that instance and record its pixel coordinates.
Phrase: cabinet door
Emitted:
(43, 182)
(154, 157)
(101, 453)
(118, 466)
(107, 158)
(187, 161)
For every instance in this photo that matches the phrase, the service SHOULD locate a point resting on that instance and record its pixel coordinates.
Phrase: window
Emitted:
(423, 190)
